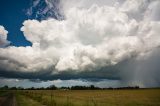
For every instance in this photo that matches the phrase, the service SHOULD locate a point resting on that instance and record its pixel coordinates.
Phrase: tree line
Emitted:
(53, 87)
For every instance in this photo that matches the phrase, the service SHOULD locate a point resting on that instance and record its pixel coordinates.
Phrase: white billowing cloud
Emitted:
(89, 38)
(25, 59)
(3, 37)
(3, 32)
(153, 11)
(135, 8)
(93, 35)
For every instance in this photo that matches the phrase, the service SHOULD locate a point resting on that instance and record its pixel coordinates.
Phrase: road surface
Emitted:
(8, 100)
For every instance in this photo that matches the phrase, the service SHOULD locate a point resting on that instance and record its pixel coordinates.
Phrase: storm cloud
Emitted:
(97, 39)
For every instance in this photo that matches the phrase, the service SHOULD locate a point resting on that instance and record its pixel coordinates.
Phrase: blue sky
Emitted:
(13, 13)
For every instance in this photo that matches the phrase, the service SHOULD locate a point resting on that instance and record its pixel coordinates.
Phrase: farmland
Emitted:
(138, 97)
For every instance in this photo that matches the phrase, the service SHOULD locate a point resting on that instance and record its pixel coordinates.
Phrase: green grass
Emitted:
(3, 93)
(141, 97)
(25, 101)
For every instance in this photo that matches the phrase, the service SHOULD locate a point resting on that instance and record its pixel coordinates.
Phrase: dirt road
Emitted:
(8, 100)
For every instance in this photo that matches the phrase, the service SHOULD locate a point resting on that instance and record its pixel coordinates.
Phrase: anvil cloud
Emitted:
(96, 39)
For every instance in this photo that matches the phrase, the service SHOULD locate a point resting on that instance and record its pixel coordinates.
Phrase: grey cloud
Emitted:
(44, 9)
(59, 83)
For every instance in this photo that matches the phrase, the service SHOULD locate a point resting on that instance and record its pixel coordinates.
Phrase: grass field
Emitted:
(137, 97)
(141, 97)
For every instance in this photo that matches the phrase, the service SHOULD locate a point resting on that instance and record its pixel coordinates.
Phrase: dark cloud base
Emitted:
(47, 75)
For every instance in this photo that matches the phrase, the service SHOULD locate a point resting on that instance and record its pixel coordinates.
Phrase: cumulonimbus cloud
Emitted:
(92, 36)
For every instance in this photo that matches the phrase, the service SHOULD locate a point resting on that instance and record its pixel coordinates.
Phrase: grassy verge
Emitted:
(25, 101)
(3, 93)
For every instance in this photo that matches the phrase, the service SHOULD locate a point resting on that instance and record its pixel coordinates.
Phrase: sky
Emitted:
(12, 17)
(107, 43)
